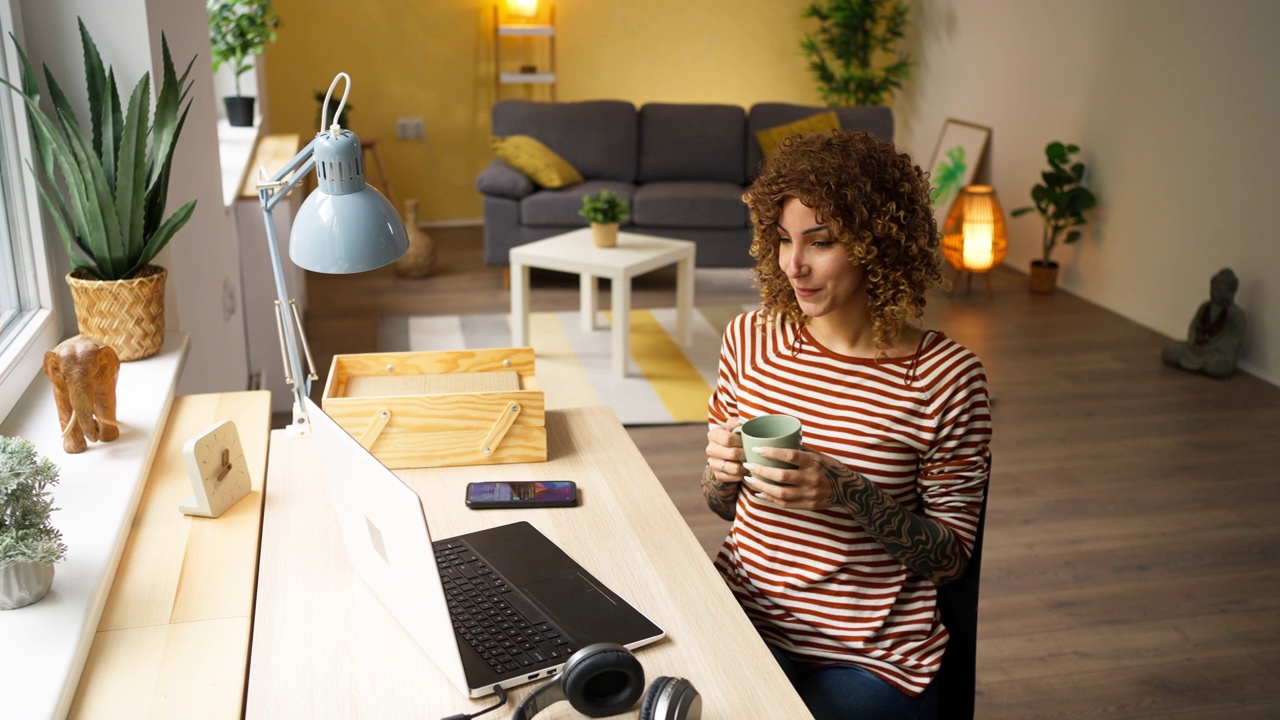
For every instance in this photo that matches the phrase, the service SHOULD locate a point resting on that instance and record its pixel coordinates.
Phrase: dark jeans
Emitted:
(836, 692)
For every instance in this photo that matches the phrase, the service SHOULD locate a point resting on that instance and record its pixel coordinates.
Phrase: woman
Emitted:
(837, 562)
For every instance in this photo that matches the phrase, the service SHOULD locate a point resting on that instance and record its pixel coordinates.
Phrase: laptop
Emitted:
(498, 607)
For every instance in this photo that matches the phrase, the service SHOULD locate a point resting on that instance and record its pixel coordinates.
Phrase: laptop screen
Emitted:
(386, 536)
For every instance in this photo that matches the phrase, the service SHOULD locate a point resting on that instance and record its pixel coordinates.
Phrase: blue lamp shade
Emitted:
(344, 226)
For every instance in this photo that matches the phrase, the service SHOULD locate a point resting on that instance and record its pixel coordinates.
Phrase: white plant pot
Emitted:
(22, 583)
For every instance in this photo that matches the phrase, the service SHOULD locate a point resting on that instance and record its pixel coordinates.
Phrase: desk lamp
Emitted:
(344, 226)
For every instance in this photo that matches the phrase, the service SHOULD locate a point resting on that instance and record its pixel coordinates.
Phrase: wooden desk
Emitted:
(324, 646)
(173, 640)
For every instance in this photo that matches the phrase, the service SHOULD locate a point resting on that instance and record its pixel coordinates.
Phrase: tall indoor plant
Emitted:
(238, 31)
(1061, 199)
(29, 544)
(852, 38)
(107, 194)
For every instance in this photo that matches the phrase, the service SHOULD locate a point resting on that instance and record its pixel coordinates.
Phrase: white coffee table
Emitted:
(574, 252)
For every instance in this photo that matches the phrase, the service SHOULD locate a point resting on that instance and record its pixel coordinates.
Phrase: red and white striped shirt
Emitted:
(813, 582)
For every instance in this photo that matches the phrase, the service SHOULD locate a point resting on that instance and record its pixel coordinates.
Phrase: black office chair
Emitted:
(958, 603)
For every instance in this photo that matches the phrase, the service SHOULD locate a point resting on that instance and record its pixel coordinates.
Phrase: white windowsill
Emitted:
(45, 644)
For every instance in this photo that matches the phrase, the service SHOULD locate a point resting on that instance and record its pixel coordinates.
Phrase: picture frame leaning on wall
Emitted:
(958, 155)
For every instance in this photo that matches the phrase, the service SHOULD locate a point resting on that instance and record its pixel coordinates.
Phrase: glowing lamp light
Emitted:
(974, 238)
(522, 8)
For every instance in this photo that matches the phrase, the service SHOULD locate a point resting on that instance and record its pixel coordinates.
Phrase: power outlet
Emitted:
(411, 128)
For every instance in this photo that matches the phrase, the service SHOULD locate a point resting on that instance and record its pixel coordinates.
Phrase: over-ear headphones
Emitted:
(606, 679)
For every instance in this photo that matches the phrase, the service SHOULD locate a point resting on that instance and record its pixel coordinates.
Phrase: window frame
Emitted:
(22, 356)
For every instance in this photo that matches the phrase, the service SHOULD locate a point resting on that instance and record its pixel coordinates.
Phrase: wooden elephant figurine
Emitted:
(84, 374)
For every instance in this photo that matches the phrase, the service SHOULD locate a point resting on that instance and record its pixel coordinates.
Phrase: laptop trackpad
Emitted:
(575, 603)
(568, 595)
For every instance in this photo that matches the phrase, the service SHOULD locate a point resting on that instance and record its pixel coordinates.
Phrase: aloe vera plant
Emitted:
(109, 207)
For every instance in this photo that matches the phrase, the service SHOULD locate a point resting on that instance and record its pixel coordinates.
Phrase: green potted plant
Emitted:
(238, 31)
(29, 543)
(1061, 199)
(852, 38)
(605, 211)
(106, 192)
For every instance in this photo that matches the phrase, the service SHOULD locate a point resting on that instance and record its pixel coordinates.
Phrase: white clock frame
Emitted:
(219, 474)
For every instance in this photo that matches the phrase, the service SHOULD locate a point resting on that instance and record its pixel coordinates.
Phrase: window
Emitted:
(28, 326)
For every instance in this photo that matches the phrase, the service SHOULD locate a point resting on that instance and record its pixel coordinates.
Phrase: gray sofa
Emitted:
(683, 167)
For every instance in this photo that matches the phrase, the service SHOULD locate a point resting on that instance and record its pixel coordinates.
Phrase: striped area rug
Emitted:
(668, 384)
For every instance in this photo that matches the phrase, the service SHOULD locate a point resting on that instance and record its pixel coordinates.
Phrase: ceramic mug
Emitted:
(780, 431)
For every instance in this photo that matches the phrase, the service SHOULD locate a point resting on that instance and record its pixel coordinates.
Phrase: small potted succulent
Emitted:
(1061, 199)
(29, 543)
(238, 31)
(605, 211)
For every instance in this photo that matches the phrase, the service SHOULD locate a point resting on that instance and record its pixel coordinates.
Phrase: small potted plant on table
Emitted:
(605, 211)
(29, 543)
(238, 31)
(1061, 199)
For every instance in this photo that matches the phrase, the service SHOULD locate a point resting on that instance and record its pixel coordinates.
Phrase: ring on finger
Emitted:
(722, 464)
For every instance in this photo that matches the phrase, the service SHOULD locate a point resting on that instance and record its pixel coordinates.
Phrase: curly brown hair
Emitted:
(875, 201)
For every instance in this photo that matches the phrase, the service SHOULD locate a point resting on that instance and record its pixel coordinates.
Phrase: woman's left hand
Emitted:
(812, 485)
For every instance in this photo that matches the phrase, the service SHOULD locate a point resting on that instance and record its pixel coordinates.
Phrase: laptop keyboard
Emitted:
(501, 626)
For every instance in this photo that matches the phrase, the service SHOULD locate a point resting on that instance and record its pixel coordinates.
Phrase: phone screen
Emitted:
(553, 493)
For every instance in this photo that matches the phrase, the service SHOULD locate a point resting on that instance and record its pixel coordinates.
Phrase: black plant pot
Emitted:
(239, 111)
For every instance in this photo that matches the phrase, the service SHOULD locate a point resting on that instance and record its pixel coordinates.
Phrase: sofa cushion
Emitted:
(559, 208)
(692, 142)
(598, 137)
(539, 162)
(770, 139)
(499, 178)
(877, 120)
(689, 204)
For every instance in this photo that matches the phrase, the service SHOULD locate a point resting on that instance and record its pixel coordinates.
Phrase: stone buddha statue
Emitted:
(1216, 332)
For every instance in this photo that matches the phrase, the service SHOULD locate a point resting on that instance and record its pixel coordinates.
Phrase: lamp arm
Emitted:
(288, 322)
(301, 165)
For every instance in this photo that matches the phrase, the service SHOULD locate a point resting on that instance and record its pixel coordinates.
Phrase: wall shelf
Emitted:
(514, 44)
(516, 78)
(526, 30)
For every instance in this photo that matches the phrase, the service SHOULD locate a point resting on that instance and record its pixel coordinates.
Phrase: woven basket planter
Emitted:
(128, 314)
(605, 235)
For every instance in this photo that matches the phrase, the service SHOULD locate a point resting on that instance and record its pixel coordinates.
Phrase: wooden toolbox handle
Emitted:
(371, 433)
(500, 428)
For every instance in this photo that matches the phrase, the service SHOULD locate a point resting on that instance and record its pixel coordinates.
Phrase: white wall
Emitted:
(203, 295)
(1176, 106)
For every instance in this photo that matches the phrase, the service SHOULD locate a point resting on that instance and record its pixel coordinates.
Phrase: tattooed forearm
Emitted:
(721, 496)
(926, 546)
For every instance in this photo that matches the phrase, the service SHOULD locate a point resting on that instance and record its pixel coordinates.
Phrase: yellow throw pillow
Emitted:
(536, 160)
(770, 139)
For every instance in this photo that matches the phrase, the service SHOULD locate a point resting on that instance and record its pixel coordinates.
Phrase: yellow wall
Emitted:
(434, 60)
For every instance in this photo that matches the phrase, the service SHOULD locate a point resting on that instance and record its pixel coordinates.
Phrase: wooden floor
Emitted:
(1132, 558)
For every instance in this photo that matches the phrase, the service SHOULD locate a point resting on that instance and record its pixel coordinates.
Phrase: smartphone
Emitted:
(553, 493)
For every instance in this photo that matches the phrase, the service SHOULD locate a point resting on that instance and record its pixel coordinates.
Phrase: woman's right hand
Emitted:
(724, 452)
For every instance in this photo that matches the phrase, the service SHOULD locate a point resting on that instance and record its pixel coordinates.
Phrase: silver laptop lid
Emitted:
(385, 532)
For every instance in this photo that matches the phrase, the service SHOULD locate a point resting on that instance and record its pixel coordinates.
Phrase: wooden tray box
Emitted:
(431, 409)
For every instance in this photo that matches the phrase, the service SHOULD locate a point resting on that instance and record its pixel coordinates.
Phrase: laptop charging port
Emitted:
(533, 676)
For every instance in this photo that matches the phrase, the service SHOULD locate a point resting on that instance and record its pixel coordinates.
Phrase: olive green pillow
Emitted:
(770, 139)
(536, 160)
